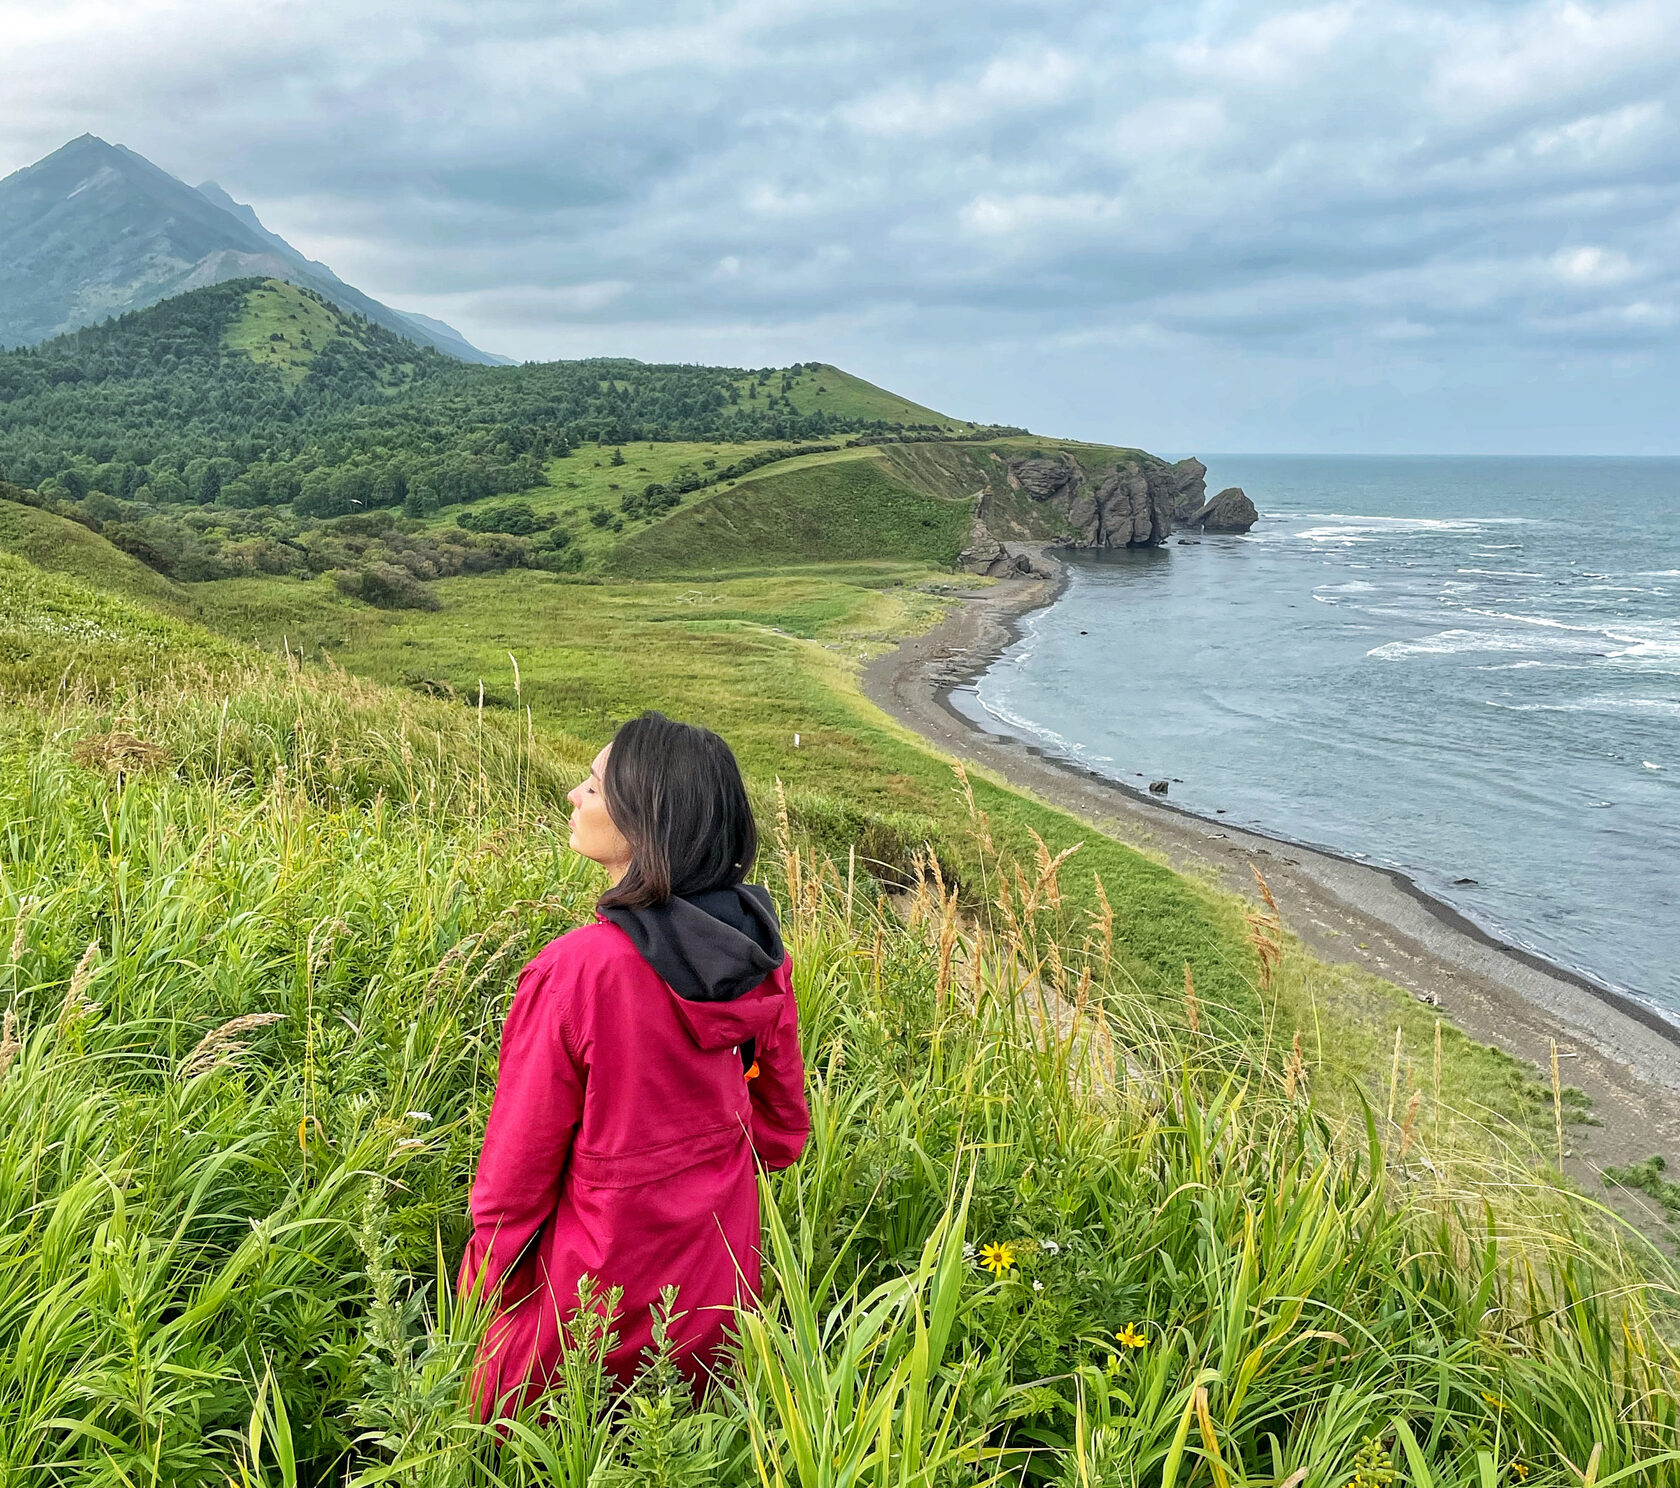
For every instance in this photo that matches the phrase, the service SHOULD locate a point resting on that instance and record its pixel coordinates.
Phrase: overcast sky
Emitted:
(1402, 226)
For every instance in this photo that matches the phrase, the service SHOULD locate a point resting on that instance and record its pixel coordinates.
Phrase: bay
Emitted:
(1465, 669)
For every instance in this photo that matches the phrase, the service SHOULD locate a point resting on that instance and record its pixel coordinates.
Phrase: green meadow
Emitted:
(1060, 1222)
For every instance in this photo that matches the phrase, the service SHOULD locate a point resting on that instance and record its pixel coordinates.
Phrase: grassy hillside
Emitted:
(599, 494)
(834, 509)
(281, 326)
(817, 387)
(61, 546)
(263, 920)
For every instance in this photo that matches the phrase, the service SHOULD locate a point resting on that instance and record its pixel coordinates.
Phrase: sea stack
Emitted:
(1229, 511)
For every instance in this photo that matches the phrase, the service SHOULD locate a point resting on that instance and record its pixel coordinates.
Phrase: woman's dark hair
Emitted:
(675, 792)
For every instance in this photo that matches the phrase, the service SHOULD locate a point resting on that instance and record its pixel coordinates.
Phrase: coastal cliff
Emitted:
(1079, 497)
(1123, 504)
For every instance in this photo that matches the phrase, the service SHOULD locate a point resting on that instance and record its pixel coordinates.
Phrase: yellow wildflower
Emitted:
(997, 1257)
(1521, 1470)
(1130, 1337)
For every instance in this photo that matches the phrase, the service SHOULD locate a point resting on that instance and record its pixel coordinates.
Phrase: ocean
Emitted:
(1464, 669)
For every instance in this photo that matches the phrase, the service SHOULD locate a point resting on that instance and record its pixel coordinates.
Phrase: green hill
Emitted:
(253, 429)
(61, 546)
(281, 326)
(266, 384)
(840, 508)
(817, 387)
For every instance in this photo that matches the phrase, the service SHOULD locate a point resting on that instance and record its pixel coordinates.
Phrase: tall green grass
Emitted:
(258, 925)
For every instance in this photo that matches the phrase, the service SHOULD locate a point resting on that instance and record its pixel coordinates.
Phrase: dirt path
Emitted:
(1626, 1059)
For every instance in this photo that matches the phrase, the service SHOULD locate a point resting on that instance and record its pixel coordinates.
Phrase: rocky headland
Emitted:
(1061, 501)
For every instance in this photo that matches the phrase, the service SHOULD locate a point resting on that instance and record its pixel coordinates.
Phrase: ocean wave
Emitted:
(1022, 725)
(1502, 573)
(1459, 641)
(1643, 707)
(1616, 589)
(1638, 639)
(1456, 524)
(1347, 534)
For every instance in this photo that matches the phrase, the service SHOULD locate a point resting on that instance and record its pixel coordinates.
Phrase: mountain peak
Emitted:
(82, 144)
(95, 230)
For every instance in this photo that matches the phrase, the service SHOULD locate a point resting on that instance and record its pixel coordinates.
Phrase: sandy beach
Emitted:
(1624, 1057)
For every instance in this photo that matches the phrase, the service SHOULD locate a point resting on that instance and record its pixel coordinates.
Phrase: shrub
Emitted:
(518, 518)
(386, 587)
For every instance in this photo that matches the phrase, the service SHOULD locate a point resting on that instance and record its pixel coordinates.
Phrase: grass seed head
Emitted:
(222, 1045)
(20, 934)
(10, 1043)
(77, 1004)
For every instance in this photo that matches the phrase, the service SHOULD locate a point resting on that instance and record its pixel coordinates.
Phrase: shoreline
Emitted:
(1623, 1054)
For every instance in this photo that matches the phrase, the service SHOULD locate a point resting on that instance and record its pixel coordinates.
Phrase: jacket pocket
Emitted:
(643, 1165)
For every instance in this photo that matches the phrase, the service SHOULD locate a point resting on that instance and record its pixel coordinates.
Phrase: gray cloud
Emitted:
(1408, 224)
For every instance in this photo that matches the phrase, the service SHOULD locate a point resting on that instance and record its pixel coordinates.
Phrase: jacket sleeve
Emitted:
(528, 1138)
(781, 1121)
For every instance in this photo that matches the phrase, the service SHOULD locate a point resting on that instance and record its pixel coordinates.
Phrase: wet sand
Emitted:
(1623, 1056)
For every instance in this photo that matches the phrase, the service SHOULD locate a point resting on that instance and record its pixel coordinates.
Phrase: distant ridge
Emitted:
(95, 230)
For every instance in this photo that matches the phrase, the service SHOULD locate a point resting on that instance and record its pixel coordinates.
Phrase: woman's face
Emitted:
(594, 833)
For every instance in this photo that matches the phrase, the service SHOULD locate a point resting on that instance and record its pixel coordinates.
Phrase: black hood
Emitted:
(711, 947)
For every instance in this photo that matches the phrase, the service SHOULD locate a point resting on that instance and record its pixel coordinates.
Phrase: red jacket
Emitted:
(621, 1146)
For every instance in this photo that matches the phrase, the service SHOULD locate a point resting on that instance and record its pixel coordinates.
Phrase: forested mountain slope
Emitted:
(269, 383)
(214, 434)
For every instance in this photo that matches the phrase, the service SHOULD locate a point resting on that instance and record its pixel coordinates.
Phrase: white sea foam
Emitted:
(1015, 722)
(1640, 640)
(1459, 641)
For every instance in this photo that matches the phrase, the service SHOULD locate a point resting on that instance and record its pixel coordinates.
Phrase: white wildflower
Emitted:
(418, 1115)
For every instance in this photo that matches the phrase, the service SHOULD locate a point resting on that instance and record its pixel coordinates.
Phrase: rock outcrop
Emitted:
(1229, 511)
(1131, 506)
(986, 555)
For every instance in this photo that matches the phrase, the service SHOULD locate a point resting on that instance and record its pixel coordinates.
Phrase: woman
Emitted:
(647, 1061)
